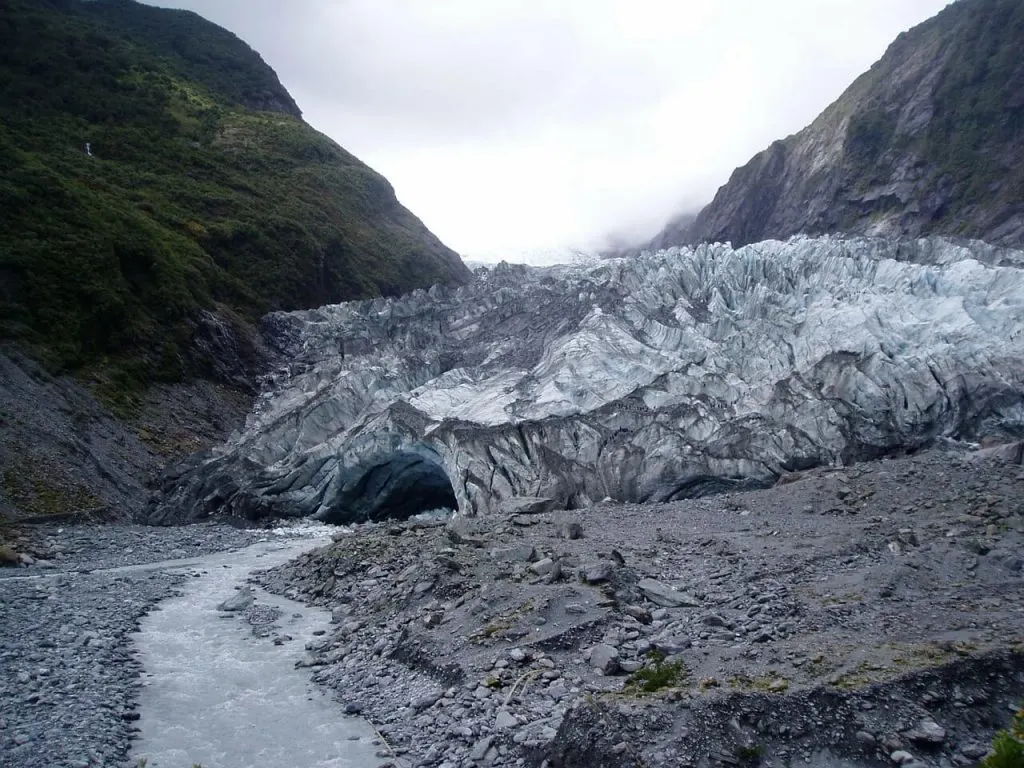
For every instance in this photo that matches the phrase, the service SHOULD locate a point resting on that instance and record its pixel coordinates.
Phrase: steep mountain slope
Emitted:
(929, 141)
(154, 167)
(159, 193)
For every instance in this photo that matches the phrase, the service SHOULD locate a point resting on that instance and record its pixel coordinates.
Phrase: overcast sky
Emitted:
(512, 126)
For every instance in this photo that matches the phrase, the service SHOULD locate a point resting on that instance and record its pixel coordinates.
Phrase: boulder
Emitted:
(241, 600)
(605, 659)
(927, 733)
(596, 573)
(666, 596)
(570, 530)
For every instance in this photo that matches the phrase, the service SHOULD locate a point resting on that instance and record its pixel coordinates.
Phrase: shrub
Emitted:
(1008, 746)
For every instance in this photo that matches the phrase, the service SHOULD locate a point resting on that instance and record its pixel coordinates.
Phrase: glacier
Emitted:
(669, 375)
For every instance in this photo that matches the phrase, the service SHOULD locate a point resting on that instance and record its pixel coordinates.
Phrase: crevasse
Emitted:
(673, 374)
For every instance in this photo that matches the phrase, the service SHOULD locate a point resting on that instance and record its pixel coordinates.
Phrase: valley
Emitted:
(285, 482)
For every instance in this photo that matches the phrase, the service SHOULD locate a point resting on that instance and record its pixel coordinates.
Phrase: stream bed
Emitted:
(214, 694)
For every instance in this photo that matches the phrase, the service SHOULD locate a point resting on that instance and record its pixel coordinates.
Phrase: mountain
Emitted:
(159, 194)
(538, 256)
(160, 185)
(675, 232)
(929, 141)
(670, 375)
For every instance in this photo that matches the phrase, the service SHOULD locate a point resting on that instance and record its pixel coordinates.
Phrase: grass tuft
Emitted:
(659, 675)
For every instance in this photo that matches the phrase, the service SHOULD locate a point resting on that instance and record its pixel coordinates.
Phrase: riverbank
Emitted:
(69, 671)
(840, 618)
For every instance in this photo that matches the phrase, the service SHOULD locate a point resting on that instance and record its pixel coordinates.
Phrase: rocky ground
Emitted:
(868, 615)
(68, 674)
(84, 548)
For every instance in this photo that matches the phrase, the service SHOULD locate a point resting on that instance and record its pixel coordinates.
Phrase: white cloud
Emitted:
(513, 125)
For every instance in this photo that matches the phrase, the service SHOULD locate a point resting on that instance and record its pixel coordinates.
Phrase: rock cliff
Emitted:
(929, 141)
(671, 375)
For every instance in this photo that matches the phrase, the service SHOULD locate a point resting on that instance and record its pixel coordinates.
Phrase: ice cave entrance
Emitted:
(394, 486)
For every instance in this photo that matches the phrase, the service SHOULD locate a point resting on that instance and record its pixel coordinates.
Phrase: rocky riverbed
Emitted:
(859, 616)
(867, 615)
(68, 670)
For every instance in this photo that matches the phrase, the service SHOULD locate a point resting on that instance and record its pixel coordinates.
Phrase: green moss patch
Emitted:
(38, 491)
(659, 674)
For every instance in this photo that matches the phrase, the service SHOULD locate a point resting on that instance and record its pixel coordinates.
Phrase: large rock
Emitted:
(519, 553)
(241, 600)
(672, 375)
(665, 595)
(927, 733)
(605, 659)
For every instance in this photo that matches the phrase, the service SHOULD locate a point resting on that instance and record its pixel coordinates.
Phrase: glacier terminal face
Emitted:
(673, 374)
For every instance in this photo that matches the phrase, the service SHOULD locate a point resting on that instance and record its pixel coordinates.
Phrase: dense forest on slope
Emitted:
(154, 167)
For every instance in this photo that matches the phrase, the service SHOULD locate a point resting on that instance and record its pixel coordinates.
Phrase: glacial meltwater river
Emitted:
(216, 695)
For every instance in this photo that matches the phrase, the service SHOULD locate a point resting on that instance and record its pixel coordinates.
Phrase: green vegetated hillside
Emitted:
(929, 141)
(204, 190)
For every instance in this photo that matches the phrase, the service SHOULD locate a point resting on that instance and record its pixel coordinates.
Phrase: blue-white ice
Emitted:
(644, 379)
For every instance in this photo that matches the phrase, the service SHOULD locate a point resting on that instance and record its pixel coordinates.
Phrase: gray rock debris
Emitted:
(521, 553)
(793, 649)
(605, 659)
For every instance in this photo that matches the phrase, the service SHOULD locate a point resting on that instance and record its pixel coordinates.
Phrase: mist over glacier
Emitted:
(674, 374)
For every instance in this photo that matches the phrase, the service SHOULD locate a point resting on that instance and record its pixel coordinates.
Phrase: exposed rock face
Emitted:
(672, 375)
(226, 350)
(64, 455)
(929, 141)
(676, 232)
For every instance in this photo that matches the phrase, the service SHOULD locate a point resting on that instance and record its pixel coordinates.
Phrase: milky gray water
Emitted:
(216, 695)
